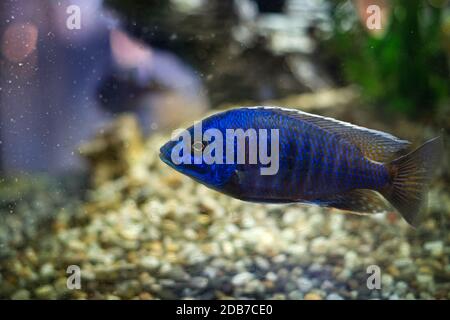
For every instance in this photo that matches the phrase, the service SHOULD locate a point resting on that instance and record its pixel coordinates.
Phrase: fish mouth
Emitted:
(164, 154)
(185, 168)
(166, 160)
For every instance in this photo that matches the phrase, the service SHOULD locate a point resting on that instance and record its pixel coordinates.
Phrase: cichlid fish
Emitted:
(321, 161)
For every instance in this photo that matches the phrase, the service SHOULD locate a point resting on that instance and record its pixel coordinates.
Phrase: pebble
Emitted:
(312, 296)
(271, 276)
(334, 296)
(401, 288)
(279, 259)
(436, 248)
(45, 292)
(296, 295)
(304, 284)
(21, 294)
(149, 262)
(199, 282)
(262, 263)
(425, 280)
(319, 246)
(241, 278)
(387, 280)
(351, 260)
(47, 270)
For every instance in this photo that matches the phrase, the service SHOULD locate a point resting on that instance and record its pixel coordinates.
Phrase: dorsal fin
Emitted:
(375, 145)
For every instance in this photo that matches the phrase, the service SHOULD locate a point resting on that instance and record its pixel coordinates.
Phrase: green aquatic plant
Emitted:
(404, 68)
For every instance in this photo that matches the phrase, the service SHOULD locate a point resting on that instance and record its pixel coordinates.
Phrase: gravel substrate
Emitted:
(147, 232)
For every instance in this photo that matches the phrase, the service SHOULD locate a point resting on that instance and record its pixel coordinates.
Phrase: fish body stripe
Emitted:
(313, 162)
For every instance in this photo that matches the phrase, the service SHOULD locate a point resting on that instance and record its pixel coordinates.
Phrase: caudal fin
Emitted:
(410, 175)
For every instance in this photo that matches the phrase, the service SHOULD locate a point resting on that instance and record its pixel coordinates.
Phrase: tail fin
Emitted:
(410, 175)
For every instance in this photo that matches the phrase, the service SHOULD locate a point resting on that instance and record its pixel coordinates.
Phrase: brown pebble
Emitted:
(145, 296)
(393, 271)
(312, 296)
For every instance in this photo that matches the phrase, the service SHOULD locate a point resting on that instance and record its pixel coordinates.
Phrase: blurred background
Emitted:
(89, 90)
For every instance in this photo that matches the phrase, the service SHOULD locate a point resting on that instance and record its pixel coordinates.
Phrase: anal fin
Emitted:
(361, 201)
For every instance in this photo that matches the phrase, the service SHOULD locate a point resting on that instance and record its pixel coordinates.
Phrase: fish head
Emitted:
(189, 152)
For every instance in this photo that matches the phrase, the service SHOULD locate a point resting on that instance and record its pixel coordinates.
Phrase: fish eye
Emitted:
(198, 146)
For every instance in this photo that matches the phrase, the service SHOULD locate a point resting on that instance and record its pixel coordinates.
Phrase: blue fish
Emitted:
(321, 161)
